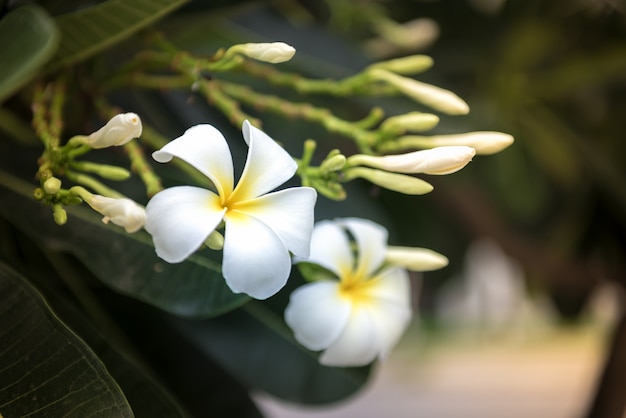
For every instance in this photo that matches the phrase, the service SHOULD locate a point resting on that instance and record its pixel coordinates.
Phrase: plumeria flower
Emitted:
(358, 312)
(261, 228)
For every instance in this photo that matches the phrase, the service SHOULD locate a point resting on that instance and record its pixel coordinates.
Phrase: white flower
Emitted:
(121, 211)
(118, 131)
(261, 227)
(362, 315)
(439, 161)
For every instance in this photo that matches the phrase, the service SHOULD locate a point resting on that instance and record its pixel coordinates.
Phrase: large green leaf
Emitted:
(28, 37)
(45, 369)
(255, 345)
(89, 31)
(126, 263)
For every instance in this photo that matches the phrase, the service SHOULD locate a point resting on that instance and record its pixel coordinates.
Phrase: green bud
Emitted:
(52, 185)
(412, 121)
(110, 172)
(413, 64)
(391, 181)
(59, 214)
(215, 241)
(334, 163)
(38, 193)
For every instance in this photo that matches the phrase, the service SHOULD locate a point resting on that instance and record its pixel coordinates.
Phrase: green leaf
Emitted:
(45, 369)
(89, 31)
(28, 37)
(255, 345)
(125, 262)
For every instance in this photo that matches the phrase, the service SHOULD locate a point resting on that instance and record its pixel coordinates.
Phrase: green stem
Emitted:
(363, 138)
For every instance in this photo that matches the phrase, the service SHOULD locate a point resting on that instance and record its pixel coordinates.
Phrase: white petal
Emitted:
(268, 165)
(206, 149)
(255, 261)
(390, 307)
(330, 248)
(317, 314)
(371, 240)
(180, 219)
(289, 213)
(358, 343)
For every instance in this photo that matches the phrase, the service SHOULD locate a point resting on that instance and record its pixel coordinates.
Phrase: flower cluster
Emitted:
(358, 301)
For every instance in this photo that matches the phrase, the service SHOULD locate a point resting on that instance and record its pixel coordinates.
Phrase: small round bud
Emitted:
(38, 193)
(52, 185)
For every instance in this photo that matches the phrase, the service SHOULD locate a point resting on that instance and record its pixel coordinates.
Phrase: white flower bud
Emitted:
(427, 94)
(439, 161)
(484, 142)
(121, 211)
(274, 52)
(416, 259)
(118, 131)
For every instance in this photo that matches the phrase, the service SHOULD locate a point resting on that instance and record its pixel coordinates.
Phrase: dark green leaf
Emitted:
(126, 263)
(89, 31)
(45, 369)
(255, 345)
(28, 37)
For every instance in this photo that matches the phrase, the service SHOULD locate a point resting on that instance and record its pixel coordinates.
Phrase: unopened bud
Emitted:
(427, 94)
(121, 211)
(415, 259)
(438, 161)
(52, 185)
(59, 214)
(110, 172)
(392, 181)
(413, 64)
(38, 193)
(334, 163)
(215, 241)
(273, 52)
(485, 143)
(412, 121)
(118, 131)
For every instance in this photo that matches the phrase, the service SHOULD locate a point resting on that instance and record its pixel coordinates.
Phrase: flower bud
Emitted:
(52, 185)
(435, 97)
(438, 161)
(334, 163)
(412, 121)
(121, 211)
(274, 52)
(215, 241)
(415, 259)
(412, 64)
(484, 142)
(59, 214)
(118, 131)
(392, 181)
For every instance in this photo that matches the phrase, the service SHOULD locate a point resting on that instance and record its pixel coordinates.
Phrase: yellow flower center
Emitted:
(357, 288)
